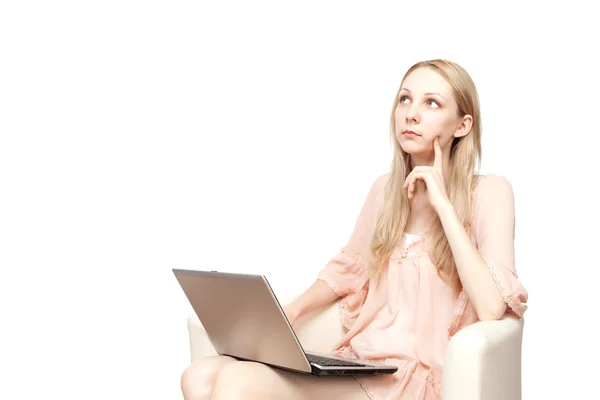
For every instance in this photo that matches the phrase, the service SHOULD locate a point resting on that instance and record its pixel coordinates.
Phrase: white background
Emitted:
(139, 136)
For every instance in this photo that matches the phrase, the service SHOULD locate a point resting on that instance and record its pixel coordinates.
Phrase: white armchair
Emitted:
(483, 360)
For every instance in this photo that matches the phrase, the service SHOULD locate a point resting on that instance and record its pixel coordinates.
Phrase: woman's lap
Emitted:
(248, 380)
(261, 381)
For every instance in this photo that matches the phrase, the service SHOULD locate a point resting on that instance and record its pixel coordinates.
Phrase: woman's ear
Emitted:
(464, 127)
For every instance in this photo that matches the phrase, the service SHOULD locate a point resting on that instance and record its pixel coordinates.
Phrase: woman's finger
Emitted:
(437, 149)
(407, 180)
(414, 177)
(417, 169)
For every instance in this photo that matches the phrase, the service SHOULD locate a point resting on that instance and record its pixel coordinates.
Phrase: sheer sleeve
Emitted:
(494, 232)
(346, 272)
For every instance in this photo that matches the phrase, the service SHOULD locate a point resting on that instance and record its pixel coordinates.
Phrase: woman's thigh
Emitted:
(251, 380)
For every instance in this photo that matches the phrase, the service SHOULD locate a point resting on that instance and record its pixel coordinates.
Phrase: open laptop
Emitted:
(244, 320)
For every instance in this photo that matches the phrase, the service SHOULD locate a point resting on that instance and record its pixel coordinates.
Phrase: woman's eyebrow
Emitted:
(426, 94)
(434, 94)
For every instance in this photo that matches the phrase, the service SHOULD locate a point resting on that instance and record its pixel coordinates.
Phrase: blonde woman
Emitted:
(432, 252)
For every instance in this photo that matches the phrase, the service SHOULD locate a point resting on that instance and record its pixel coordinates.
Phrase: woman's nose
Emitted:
(412, 116)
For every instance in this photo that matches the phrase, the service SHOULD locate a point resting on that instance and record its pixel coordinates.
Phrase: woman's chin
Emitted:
(410, 147)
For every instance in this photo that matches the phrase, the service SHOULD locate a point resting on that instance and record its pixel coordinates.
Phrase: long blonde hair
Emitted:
(465, 155)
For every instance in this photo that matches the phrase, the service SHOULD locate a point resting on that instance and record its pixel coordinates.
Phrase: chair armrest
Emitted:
(483, 361)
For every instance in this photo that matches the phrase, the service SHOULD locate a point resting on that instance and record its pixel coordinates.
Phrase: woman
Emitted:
(432, 252)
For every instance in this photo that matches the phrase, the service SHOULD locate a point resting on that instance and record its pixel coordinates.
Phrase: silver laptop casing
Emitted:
(244, 320)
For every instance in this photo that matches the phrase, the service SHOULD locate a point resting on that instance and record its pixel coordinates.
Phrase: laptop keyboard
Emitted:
(331, 362)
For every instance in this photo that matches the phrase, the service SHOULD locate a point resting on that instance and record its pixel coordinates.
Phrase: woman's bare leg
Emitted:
(198, 379)
(249, 380)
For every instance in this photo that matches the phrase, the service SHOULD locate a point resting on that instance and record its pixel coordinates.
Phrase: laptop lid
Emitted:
(243, 318)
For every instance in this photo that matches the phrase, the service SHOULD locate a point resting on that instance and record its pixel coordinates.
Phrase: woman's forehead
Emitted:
(425, 80)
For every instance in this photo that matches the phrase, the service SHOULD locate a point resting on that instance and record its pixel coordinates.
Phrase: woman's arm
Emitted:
(473, 271)
(318, 295)
(479, 284)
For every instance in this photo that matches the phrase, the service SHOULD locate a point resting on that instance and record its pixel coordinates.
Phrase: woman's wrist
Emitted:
(292, 311)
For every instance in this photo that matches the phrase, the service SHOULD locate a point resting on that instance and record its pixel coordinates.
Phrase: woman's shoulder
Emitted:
(491, 181)
(381, 180)
(376, 194)
(378, 184)
(492, 186)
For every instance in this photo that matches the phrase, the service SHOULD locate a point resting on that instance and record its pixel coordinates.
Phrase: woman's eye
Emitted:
(433, 103)
(403, 99)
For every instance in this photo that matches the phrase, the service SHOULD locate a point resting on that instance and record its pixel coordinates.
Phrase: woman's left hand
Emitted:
(433, 178)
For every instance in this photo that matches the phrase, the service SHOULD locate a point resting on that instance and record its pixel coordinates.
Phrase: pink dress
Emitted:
(408, 317)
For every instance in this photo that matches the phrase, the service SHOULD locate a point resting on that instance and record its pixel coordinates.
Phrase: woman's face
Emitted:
(427, 109)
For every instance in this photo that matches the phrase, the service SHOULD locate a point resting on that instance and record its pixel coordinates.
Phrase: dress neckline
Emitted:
(414, 235)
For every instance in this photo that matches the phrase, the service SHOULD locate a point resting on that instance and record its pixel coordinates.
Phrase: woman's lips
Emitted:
(410, 133)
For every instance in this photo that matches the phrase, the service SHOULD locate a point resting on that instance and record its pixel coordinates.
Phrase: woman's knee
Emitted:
(198, 378)
(195, 382)
(237, 379)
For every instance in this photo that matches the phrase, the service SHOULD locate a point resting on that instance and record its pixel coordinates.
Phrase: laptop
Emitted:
(244, 320)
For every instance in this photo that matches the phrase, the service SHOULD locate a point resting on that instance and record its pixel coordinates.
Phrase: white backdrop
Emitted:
(139, 136)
